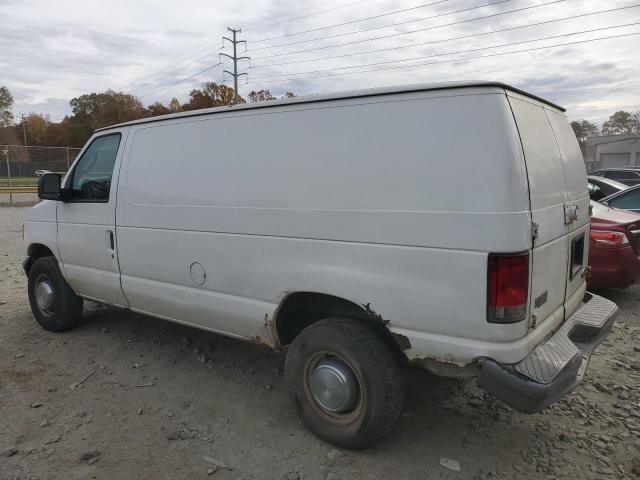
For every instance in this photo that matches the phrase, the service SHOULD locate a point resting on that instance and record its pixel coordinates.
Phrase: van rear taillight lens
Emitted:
(507, 288)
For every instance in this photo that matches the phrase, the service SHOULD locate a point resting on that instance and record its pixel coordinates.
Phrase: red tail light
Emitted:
(507, 287)
(609, 238)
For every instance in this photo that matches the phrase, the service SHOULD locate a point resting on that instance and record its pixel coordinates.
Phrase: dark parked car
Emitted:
(628, 199)
(629, 176)
(601, 187)
(614, 244)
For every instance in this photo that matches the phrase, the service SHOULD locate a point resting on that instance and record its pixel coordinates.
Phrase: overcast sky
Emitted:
(51, 52)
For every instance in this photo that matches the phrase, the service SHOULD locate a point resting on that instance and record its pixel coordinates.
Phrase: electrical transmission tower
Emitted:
(235, 59)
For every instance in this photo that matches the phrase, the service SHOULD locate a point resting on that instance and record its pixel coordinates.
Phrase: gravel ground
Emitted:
(19, 199)
(124, 396)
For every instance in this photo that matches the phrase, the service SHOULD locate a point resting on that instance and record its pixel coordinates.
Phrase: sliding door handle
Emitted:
(111, 245)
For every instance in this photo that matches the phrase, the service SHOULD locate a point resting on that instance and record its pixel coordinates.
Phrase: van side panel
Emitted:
(389, 201)
(407, 172)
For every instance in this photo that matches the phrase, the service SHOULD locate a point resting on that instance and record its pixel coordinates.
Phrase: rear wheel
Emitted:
(54, 304)
(345, 382)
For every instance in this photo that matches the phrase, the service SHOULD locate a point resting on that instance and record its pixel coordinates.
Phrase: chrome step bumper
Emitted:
(556, 366)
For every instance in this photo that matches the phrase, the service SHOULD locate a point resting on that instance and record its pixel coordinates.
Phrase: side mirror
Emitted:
(595, 192)
(49, 186)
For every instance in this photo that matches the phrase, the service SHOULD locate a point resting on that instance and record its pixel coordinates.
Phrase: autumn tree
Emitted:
(36, 125)
(210, 94)
(221, 94)
(96, 110)
(583, 130)
(260, 96)
(174, 105)
(621, 122)
(6, 105)
(265, 95)
(158, 109)
(59, 135)
(198, 100)
(9, 136)
(107, 108)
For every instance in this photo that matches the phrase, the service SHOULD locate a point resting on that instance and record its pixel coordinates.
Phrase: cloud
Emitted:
(52, 52)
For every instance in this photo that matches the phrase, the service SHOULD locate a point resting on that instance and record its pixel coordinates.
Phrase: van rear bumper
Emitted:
(556, 366)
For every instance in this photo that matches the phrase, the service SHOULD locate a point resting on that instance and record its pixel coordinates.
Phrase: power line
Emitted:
(405, 22)
(397, 34)
(165, 71)
(433, 27)
(309, 15)
(571, 17)
(465, 59)
(211, 50)
(350, 21)
(181, 80)
(270, 18)
(448, 53)
(208, 48)
(196, 60)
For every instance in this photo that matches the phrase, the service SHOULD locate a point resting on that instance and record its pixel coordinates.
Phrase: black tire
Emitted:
(380, 388)
(65, 308)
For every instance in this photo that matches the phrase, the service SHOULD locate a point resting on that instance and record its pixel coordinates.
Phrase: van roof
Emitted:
(370, 92)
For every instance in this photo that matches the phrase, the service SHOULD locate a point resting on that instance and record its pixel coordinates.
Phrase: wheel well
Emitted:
(38, 250)
(301, 309)
(35, 251)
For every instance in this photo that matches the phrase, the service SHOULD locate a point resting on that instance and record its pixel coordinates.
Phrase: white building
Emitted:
(613, 151)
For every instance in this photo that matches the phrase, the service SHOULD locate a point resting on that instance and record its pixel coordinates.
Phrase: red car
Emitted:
(614, 246)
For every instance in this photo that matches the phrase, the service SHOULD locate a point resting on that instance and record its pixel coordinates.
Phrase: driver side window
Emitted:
(91, 180)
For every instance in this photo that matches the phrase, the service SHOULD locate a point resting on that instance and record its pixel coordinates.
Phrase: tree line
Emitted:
(96, 110)
(618, 123)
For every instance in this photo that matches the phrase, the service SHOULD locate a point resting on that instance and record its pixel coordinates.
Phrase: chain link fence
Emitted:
(21, 166)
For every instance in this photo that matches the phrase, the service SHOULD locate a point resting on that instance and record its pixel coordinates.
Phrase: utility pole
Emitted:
(6, 156)
(235, 59)
(24, 129)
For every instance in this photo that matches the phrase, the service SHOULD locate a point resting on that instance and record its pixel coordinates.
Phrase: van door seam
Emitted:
(115, 216)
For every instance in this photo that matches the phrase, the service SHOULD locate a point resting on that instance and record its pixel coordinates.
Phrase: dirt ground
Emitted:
(18, 199)
(128, 397)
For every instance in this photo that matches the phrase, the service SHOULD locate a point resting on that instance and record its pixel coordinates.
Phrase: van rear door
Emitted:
(559, 208)
(578, 197)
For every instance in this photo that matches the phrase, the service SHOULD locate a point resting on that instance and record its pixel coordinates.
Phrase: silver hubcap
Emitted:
(44, 294)
(334, 386)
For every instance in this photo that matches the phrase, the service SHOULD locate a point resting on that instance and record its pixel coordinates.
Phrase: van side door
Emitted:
(86, 220)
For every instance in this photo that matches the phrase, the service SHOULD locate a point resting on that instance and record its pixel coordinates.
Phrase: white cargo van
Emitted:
(442, 225)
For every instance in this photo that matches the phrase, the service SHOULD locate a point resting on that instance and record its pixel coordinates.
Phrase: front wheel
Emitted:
(345, 382)
(54, 304)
